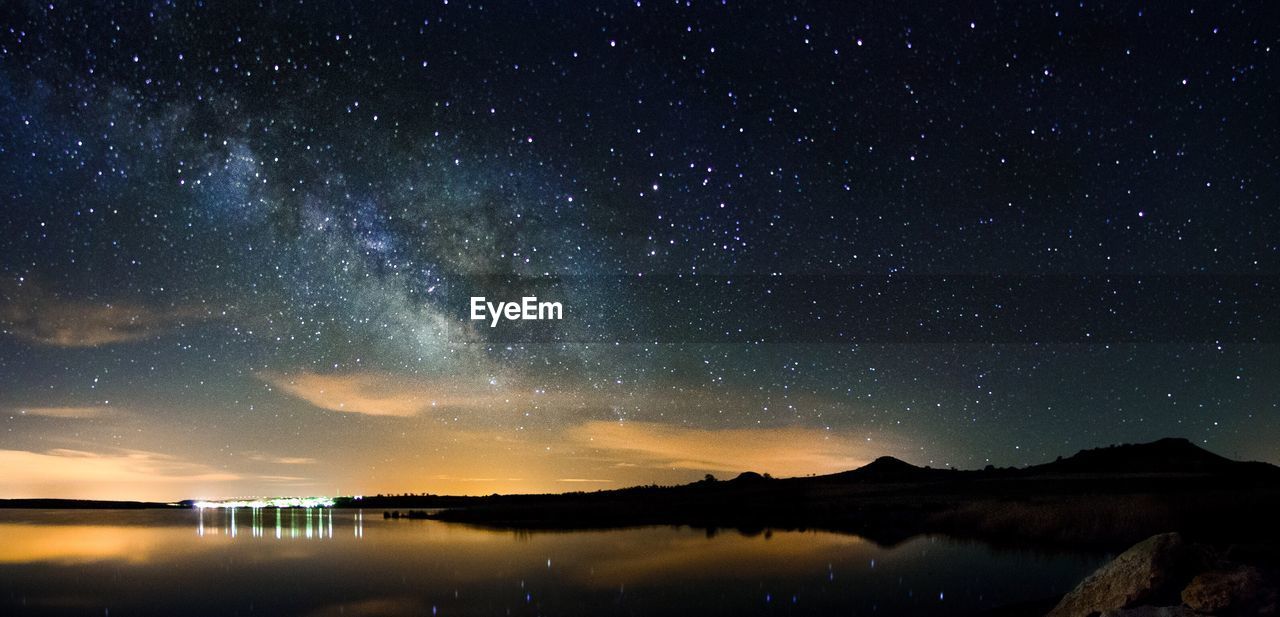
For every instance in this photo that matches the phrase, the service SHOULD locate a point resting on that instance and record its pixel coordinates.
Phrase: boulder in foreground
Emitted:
(1150, 573)
(1152, 611)
(1243, 590)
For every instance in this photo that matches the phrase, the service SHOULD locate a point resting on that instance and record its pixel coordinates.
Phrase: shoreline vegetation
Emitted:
(1104, 498)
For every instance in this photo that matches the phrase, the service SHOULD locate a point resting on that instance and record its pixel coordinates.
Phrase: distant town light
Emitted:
(275, 502)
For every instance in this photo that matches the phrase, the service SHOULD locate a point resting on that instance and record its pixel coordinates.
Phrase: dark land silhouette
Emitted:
(84, 504)
(1106, 498)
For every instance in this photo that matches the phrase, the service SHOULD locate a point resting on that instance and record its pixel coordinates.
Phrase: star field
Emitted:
(239, 239)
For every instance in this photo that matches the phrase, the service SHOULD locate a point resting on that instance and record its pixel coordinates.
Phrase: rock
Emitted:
(1149, 573)
(1243, 590)
(1151, 611)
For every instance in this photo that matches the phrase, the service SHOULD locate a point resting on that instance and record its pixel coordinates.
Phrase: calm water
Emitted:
(347, 563)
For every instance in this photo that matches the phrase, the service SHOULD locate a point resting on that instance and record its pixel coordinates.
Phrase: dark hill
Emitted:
(888, 464)
(1172, 455)
(885, 468)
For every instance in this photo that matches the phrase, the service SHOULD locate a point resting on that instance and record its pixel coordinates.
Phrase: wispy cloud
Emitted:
(450, 478)
(385, 394)
(295, 480)
(30, 312)
(67, 412)
(90, 475)
(369, 394)
(281, 460)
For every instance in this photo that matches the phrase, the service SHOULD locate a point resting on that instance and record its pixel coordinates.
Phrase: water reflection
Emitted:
(324, 561)
(288, 522)
(71, 544)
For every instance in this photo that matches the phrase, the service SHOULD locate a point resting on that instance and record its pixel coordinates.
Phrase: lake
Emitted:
(351, 562)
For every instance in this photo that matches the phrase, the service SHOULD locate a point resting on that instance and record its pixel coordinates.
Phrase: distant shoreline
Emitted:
(85, 504)
(1104, 498)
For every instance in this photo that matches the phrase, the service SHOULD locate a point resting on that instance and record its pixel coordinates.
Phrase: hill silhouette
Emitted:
(886, 465)
(1110, 496)
(1170, 455)
(885, 468)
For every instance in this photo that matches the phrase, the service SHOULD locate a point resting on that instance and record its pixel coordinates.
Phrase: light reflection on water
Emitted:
(288, 523)
(321, 562)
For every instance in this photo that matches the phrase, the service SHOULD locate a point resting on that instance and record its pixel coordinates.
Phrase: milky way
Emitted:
(239, 240)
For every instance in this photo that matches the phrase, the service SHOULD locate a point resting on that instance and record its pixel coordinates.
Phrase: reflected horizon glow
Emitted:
(131, 560)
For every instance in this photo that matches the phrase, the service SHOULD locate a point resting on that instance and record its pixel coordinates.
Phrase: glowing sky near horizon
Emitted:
(238, 243)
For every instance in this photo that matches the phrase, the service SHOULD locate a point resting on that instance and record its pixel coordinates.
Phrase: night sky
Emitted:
(239, 240)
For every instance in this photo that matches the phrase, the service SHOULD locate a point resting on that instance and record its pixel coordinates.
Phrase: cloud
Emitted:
(131, 474)
(282, 460)
(67, 412)
(385, 394)
(369, 394)
(405, 395)
(29, 312)
(782, 451)
(298, 480)
(450, 478)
